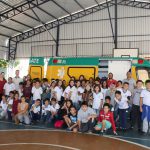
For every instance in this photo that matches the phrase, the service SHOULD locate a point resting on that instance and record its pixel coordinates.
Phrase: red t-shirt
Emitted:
(109, 117)
(2, 83)
(111, 81)
(15, 107)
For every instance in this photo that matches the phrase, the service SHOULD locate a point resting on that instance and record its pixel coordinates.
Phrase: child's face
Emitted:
(53, 102)
(46, 102)
(68, 104)
(78, 84)
(37, 84)
(72, 110)
(11, 95)
(3, 98)
(84, 108)
(139, 85)
(119, 84)
(104, 84)
(37, 103)
(97, 89)
(148, 86)
(125, 86)
(23, 99)
(107, 101)
(106, 109)
(118, 96)
(60, 83)
(16, 96)
(72, 83)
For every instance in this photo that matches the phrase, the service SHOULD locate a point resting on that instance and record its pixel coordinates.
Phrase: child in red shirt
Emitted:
(106, 120)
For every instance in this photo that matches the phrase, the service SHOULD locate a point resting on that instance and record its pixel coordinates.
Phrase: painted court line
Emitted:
(41, 144)
(57, 130)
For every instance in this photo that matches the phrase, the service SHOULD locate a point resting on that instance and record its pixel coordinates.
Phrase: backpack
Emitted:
(59, 124)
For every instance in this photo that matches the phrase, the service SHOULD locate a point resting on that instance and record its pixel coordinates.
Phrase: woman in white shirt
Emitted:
(3, 108)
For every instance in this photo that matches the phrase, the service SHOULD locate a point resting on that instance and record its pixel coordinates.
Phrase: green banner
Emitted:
(39, 61)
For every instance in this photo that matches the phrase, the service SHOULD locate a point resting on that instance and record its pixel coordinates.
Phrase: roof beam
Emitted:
(20, 9)
(1, 34)
(136, 4)
(61, 21)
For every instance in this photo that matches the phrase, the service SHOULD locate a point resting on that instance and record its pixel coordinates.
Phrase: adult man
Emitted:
(17, 80)
(2, 83)
(110, 80)
(131, 81)
(9, 86)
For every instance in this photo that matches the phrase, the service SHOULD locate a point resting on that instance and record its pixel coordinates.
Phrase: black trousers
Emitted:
(85, 127)
(136, 120)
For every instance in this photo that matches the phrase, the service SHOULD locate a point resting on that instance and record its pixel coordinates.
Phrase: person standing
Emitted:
(131, 81)
(17, 80)
(2, 83)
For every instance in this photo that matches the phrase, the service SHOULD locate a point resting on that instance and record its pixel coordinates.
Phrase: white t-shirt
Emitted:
(54, 108)
(104, 92)
(74, 94)
(81, 91)
(9, 87)
(10, 102)
(3, 105)
(45, 109)
(36, 93)
(97, 98)
(16, 82)
(67, 91)
(125, 94)
(58, 91)
(123, 104)
(145, 94)
(36, 108)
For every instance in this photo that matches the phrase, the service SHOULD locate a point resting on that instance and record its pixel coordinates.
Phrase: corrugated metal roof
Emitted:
(46, 12)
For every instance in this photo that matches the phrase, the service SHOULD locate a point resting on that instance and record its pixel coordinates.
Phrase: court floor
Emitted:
(16, 137)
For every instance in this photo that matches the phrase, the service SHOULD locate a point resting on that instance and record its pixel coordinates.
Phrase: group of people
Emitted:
(84, 105)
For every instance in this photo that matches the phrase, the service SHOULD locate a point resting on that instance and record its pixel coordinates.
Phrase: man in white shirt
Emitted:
(9, 86)
(17, 80)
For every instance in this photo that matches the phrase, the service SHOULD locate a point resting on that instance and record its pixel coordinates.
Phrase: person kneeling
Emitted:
(106, 120)
(71, 120)
(23, 115)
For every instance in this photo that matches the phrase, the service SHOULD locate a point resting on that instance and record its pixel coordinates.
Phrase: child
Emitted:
(27, 91)
(86, 118)
(15, 107)
(58, 91)
(46, 89)
(108, 101)
(71, 120)
(145, 106)
(67, 93)
(3, 108)
(54, 107)
(119, 85)
(104, 87)
(37, 91)
(23, 115)
(35, 111)
(10, 103)
(123, 108)
(106, 120)
(136, 114)
(46, 111)
(97, 99)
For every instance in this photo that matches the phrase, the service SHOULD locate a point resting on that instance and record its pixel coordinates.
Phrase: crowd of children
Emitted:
(84, 105)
